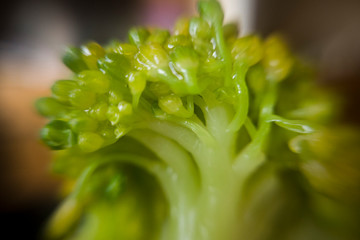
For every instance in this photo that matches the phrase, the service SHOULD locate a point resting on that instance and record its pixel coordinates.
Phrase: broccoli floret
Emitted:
(167, 135)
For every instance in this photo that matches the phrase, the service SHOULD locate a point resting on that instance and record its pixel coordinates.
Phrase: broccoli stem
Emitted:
(222, 175)
(252, 155)
(243, 99)
(210, 215)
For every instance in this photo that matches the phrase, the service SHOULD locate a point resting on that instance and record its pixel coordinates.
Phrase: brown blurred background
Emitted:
(33, 34)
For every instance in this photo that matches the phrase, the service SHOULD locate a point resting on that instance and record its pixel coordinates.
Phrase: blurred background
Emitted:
(34, 33)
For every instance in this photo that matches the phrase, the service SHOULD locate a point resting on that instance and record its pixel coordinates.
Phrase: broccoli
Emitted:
(195, 135)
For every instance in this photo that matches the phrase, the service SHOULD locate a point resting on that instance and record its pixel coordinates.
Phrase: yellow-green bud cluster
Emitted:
(154, 71)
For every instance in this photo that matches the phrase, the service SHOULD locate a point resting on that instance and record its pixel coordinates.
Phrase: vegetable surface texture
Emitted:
(193, 134)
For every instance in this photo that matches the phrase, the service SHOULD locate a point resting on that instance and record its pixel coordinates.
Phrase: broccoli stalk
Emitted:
(181, 121)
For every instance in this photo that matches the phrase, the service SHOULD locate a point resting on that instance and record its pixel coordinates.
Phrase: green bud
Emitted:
(211, 74)
(203, 47)
(184, 58)
(94, 81)
(211, 11)
(138, 36)
(115, 64)
(62, 89)
(89, 141)
(199, 28)
(49, 107)
(98, 111)
(158, 36)
(118, 113)
(159, 89)
(247, 51)
(73, 60)
(113, 115)
(186, 61)
(91, 52)
(57, 135)
(277, 58)
(212, 67)
(115, 96)
(172, 104)
(181, 27)
(125, 108)
(82, 99)
(177, 40)
(137, 84)
(151, 56)
(83, 123)
(125, 49)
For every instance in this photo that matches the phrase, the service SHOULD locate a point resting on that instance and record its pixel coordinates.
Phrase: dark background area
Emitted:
(90, 19)
(33, 34)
